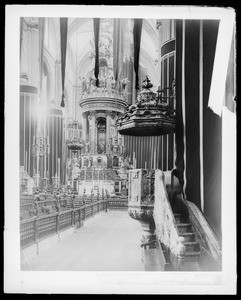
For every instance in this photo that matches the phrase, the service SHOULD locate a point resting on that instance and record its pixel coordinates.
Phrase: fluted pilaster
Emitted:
(92, 131)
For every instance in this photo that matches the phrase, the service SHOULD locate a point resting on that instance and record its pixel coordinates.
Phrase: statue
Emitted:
(83, 84)
(112, 83)
(124, 83)
(108, 83)
(88, 83)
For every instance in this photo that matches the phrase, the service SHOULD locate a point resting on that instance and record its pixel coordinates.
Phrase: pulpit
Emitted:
(141, 196)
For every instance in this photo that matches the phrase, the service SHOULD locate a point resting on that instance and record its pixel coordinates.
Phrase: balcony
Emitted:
(103, 99)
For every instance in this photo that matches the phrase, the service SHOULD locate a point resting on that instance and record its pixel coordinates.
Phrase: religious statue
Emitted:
(124, 83)
(108, 83)
(83, 84)
(112, 83)
(88, 83)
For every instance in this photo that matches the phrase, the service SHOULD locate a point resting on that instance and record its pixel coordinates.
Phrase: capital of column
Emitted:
(93, 112)
(92, 115)
(85, 114)
(108, 113)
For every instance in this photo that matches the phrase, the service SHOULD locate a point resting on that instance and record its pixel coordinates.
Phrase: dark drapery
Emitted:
(190, 129)
(187, 128)
(137, 43)
(96, 38)
(191, 82)
(179, 117)
(63, 44)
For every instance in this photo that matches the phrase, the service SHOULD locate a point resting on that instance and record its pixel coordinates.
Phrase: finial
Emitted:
(148, 83)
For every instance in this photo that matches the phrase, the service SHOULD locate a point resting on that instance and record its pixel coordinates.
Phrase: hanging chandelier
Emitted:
(151, 115)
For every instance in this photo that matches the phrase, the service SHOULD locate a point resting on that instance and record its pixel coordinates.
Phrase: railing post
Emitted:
(57, 223)
(36, 231)
(72, 217)
(79, 216)
(98, 201)
(84, 209)
(92, 203)
(105, 203)
(103, 198)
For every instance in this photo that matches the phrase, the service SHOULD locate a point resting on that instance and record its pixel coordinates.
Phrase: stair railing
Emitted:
(166, 229)
(207, 237)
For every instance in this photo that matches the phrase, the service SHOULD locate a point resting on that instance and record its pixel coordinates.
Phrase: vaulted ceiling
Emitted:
(81, 35)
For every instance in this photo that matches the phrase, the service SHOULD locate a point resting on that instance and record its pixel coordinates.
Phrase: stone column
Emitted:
(92, 131)
(108, 123)
(84, 124)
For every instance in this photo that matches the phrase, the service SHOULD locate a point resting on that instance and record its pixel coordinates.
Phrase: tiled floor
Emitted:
(108, 242)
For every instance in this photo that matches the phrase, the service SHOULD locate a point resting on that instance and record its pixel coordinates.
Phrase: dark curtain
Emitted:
(179, 117)
(137, 43)
(212, 123)
(63, 44)
(96, 37)
(191, 81)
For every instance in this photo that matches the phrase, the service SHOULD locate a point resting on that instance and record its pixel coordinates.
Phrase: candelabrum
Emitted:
(40, 149)
(75, 143)
(40, 146)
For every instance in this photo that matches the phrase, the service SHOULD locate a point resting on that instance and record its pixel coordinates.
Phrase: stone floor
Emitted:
(108, 242)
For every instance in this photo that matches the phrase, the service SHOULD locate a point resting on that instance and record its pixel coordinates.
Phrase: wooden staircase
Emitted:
(190, 262)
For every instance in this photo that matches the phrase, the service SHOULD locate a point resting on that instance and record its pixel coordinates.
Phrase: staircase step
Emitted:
(192, 256)
(192, 246)
(188, 236)
(184, 227)
(177, 217)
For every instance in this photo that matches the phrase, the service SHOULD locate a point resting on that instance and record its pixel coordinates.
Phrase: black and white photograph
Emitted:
(120, 149)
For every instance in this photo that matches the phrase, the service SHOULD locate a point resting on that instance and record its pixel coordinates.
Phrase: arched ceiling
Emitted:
(80, 35)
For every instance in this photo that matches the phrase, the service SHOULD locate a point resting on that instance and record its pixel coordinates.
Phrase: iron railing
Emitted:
(40, 227)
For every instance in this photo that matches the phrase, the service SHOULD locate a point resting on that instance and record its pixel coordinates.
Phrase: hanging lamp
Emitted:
(151, 115)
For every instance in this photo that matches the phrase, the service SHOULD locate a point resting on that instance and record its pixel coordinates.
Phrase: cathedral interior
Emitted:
(116, 117)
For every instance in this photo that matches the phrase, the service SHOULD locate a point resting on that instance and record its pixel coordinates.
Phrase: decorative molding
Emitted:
(28, 89)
